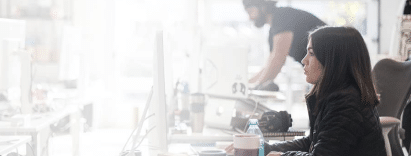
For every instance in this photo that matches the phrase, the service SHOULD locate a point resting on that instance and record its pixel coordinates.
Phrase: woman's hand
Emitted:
(230, 148)
(274, 153)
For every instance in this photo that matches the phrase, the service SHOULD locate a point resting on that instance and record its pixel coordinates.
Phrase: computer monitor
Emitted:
(12, 38)
(158, 136)
(15, 65)
(156, 107)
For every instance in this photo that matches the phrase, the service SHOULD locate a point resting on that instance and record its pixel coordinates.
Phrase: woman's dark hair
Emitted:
(344, 56)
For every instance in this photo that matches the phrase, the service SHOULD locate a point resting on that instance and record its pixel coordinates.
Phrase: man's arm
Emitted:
(255, 77)
(281, 48)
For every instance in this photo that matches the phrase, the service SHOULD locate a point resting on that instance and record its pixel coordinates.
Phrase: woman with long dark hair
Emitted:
(342, 103)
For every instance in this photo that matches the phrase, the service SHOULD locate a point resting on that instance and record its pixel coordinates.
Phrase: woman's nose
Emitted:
(304, 61)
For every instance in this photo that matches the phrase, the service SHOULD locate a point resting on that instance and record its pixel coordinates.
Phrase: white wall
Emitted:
(95, 19)
(390, 11)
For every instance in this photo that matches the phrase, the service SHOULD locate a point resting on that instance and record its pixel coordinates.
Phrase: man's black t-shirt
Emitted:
(299, 22)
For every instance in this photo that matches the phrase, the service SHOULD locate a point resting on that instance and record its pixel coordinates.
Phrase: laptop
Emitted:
(224, 75)
(225, 71)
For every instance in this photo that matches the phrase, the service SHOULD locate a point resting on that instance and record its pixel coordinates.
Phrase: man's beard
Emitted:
(260, 20)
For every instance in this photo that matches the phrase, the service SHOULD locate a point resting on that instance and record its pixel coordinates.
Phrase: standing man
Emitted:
(288, 36)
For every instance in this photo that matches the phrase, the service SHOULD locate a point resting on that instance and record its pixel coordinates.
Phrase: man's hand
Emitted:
(274, 153)
(253, 86)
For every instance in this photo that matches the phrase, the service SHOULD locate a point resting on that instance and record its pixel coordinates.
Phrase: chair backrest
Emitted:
(393, 83)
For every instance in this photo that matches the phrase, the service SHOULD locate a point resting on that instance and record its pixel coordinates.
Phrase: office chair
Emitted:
(388, 123)
(406, 125)
(393, 83)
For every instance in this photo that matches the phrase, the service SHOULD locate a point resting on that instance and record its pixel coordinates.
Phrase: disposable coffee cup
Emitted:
(246, 144)
(197, 103)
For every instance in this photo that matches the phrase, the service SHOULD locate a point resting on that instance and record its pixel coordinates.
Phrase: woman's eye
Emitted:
(311, 53)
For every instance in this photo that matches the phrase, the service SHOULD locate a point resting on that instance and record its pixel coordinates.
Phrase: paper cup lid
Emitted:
(246, 141)
(212, 153)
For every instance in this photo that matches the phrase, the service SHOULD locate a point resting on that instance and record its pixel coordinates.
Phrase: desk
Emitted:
(212, 135)
(209, 135)
(262, 95)
(211, 138)
(39, 129)
(10, 143)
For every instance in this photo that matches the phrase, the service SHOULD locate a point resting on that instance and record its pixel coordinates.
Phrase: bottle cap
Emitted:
(253, 122)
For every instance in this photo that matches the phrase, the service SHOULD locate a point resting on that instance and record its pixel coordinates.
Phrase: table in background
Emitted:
(39, 129)
(10, 143)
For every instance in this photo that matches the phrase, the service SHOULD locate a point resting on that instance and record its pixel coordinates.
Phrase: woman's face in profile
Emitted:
(312, 67)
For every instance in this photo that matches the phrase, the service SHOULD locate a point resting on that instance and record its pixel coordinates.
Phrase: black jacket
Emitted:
(343, 126)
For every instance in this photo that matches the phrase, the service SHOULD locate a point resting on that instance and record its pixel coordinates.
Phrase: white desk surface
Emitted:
(208, 135)
(10, 143)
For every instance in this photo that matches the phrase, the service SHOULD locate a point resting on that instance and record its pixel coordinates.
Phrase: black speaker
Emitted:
(273, 121)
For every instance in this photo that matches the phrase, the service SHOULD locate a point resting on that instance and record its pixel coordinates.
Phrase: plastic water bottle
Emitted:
(254, 129)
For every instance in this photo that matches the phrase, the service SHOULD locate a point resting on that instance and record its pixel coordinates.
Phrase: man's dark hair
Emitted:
(346, 61)
(264, 6)
(258, 3)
